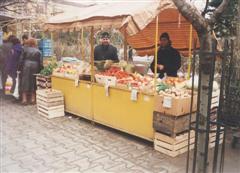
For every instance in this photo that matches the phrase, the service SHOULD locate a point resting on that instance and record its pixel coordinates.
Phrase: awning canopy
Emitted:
(132, 14)
(137, 18)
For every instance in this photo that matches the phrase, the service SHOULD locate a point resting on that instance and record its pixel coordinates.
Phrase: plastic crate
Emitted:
(45, 43)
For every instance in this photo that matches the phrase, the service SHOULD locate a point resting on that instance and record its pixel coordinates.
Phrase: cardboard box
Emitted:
(174, 106)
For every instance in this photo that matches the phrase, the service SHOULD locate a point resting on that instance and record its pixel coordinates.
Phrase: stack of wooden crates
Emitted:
(50, 103)
(43, 82)
(171, 123)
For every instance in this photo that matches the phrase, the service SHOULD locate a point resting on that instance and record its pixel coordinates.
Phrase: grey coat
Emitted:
(31, 63)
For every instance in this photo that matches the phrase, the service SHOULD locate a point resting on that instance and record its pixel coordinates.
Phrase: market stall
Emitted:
(117, 97)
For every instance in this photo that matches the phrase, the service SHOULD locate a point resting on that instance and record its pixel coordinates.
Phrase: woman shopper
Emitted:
(5, 54)
(13, 61)
(30, 63)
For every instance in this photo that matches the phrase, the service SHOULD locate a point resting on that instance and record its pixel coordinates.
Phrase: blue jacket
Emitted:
(12, 61)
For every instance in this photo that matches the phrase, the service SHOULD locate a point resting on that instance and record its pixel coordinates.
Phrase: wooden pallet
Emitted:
(174, 146)
(49, 93)
(51, 113)
(50, 103)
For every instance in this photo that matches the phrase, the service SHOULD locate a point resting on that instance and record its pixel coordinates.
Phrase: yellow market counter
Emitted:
(116, 110)
(77, 98)
(119, 112)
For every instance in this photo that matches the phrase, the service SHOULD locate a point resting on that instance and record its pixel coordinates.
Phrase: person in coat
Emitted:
(105, 51)
(13, 61)
(5, 53)
(31, 63)
(168, 60)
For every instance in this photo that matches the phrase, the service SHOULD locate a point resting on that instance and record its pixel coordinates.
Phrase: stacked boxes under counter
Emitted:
(50, 103)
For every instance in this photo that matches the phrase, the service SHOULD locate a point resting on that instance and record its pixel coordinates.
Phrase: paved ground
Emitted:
(31, 143)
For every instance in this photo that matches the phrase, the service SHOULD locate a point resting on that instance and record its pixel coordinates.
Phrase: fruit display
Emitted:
(175, 93)
(128, 80)
(48, 70)
(72, 70)
(175, 82)
(162, 87)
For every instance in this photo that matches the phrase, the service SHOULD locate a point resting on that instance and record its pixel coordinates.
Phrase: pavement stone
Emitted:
(32, 143)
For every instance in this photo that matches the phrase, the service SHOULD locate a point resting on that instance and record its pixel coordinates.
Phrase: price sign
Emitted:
(107, 90)
(134, 94)
(167, 102)
(76, 82)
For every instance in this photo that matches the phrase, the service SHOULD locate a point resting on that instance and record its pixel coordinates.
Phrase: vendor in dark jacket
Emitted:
(105, 51)
(169, 59)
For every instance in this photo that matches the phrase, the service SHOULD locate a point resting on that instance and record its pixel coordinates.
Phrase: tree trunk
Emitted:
(205, 87)
(237, 45)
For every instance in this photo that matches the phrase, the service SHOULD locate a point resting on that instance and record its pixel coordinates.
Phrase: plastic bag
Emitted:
(8, 85)
(16, 91)
(1, 87)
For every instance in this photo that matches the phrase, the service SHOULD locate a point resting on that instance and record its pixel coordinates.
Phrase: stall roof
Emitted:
(137, 17)
(135, 14)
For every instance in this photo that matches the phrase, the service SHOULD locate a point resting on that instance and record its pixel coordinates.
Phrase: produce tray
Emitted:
(106, 80)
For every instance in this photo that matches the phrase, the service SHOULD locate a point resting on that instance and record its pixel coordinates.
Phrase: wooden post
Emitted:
(30, 29)
(156, 54)
(92, 53)
(82, 43)
(190, 52)
(125, 45)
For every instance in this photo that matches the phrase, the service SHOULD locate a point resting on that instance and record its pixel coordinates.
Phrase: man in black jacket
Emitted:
(105, 51)
(169, 59)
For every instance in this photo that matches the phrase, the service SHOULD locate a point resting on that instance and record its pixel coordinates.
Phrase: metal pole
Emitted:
(156, 53)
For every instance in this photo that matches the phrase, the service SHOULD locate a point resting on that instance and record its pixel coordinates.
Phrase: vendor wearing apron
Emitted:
(105, 51)
(169, 59)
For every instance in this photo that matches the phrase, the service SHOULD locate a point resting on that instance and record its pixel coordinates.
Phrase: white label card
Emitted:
(106, 90)
(167, 102)
(146, 98)
(134, 95)
(76, 82)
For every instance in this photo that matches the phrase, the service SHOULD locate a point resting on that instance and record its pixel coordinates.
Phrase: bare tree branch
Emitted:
(3, 5)
(206, 8)
(192, 14)
(217, 13)
(15, 11)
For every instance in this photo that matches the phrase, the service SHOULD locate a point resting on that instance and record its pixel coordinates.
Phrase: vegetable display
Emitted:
(48, 70)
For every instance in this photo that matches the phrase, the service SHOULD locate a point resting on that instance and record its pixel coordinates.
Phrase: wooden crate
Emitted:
(174, 106)
(171, 125)
(50, 103)
(43, 82)
(212, 139)
(174, 146)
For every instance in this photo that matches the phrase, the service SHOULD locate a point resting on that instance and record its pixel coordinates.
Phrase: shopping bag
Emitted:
(16, 91)
(1, 87)
(8, 85)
